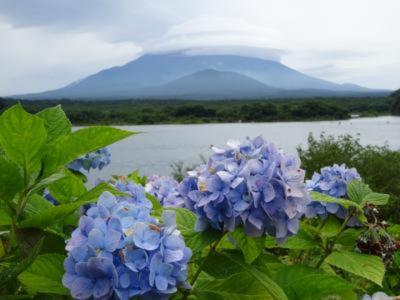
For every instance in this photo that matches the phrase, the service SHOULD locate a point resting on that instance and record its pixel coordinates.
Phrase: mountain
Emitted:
(198, 76)
(210, 84)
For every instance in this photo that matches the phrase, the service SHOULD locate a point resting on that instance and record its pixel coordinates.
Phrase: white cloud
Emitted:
(33, 59)
(47, 45)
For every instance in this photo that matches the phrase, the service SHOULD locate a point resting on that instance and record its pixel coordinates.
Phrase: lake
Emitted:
(153, 150)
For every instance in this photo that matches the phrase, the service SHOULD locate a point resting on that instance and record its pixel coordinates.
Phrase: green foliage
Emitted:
(301, 241)
(56, 123)
(221, 111)
(237, 262)
(396, 103)
(197, 241)
(80, 142)
(44, 275)
(67, 189)
(236, 287)
(10, 178)
(23, 137)
(367, 266)
(317, 263)
(303, 282)
(53, 214)
(34, 152)
(357, 190)
(250, 247)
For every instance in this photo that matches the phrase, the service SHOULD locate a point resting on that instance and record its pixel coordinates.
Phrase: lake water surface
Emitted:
(153, 150)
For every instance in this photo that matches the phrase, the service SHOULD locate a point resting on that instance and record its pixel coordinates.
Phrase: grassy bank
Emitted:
(227, 111)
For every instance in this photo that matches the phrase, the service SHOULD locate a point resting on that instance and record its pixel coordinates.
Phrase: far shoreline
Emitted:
(236, 123)
(190, 112)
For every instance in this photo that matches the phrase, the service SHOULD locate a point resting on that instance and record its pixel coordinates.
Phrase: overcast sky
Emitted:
(46, 44)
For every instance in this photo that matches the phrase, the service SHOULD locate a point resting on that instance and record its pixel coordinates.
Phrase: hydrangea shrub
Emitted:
(250, 184)
(331, 181)
(93, 160)
(165, 189)
(120, 250)
(233, 228)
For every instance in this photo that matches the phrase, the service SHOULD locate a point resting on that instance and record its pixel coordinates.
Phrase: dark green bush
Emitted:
(396, 103)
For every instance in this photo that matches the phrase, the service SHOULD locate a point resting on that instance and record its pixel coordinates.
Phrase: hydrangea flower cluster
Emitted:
(165, 189)
(120, 251)
(377, 296)
(331, 181)
(250, 184)
(93, 160)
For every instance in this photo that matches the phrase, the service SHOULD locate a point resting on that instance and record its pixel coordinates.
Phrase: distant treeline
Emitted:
(181, 111)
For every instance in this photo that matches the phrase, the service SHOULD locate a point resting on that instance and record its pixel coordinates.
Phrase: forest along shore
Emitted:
(142, 112)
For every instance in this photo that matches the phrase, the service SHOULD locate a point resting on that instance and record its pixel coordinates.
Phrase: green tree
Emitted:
(396, 102)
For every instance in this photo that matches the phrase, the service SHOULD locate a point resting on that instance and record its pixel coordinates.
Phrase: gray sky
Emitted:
(46, 44)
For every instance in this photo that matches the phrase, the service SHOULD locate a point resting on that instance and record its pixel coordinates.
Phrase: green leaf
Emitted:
(11, 181)
(79, 143)
(135, 176)
(5, 219)
(328, 199)
(236, 287)
(44, 275)
(17, 268)
(394, 231)
(301, 241)
(251, 247)
(357, 190)
(67, 189)
(274, 290)
(305, 283)
(50, 216)
(197, 241)
(22, 137)
(2, 250)
(331, 227)
(154, 201)
(36, 204)
(348, 238)
(375, 198)
(268, 263)
(55, 122)
(54, 214)
(368, 266)
(44, 182)
(219, 266)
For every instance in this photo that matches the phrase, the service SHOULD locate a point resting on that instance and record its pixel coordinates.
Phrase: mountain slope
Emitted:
(134, 79)
(212, 84)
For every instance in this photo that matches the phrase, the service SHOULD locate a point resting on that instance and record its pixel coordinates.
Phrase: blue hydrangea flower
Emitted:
(251, 184)
(94, 160)
(49, 197)
(331, 181)
(120, 251)
(377, 296)
(165, 189)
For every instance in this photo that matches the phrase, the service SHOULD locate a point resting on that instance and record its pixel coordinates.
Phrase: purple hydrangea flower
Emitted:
(120, 251)
(94, 160)
(251, 184)
(331, 181)
(165, 189)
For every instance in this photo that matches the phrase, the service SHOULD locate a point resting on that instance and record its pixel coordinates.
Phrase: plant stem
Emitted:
(213, 247)
(329, 248)
(22, 199)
